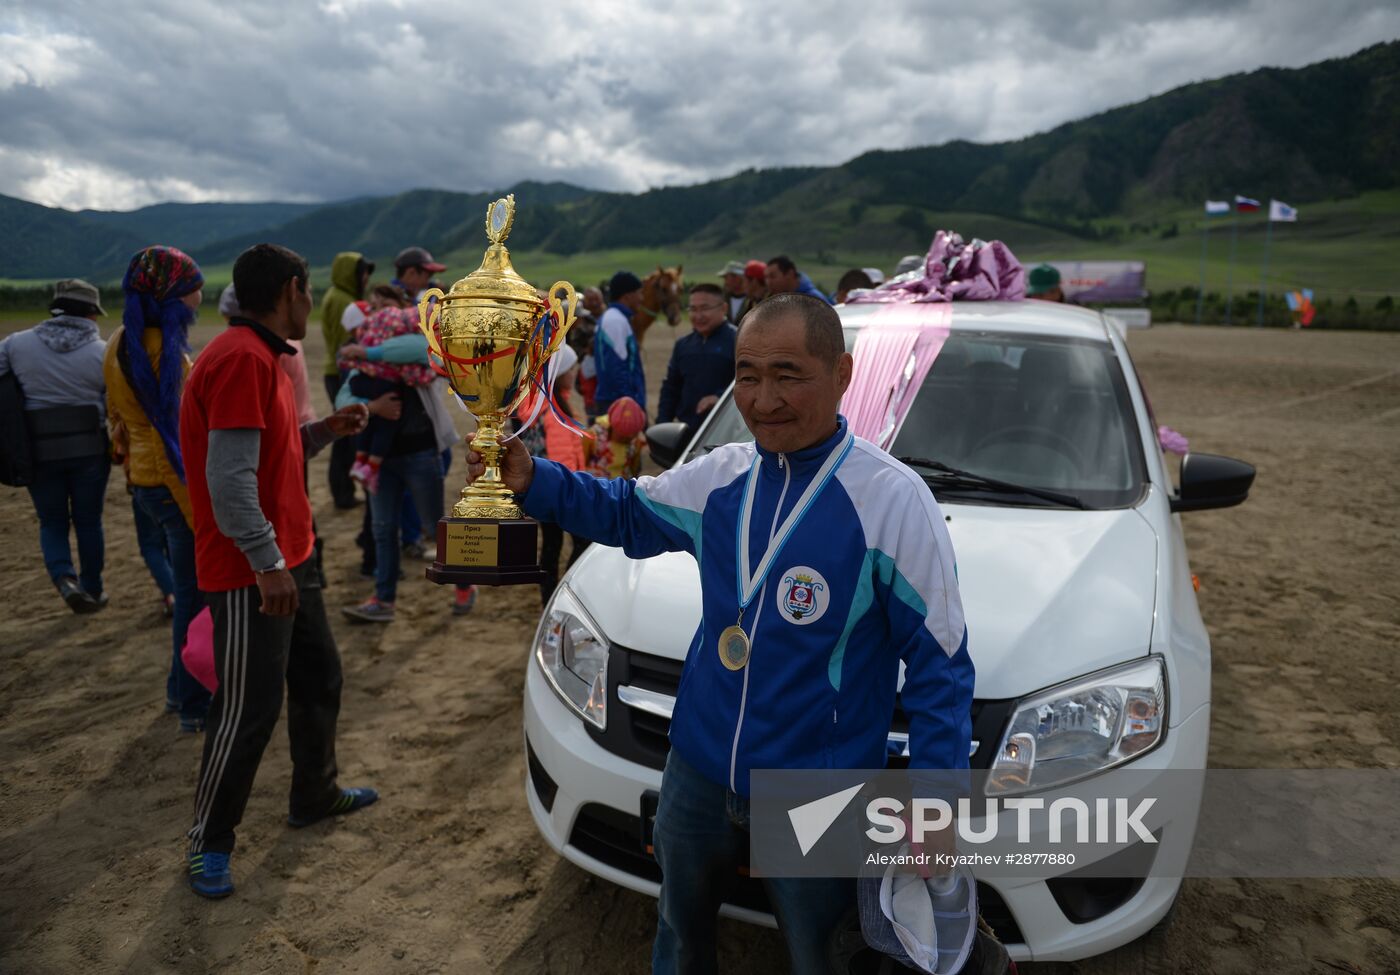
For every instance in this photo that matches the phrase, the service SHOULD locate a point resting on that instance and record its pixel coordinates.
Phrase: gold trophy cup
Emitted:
(488, 334)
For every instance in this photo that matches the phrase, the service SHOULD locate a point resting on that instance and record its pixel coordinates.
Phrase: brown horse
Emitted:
(662, 291)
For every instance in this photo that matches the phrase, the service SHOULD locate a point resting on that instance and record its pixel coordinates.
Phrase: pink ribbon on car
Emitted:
(893, 354)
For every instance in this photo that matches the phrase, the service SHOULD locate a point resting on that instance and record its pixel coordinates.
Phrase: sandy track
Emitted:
(447, 873)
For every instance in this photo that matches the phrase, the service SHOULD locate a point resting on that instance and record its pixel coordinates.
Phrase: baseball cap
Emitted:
(76, 289)
(755, 270)
(733, 267)
(417, 257)
(1042, 278)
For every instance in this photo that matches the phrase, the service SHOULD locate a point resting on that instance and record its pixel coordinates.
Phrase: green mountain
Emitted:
(39, 242)
(194, 225)
(43, 242)
(1329, 131)
(553, 217)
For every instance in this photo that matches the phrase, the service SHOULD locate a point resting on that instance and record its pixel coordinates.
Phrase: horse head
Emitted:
(662, 291)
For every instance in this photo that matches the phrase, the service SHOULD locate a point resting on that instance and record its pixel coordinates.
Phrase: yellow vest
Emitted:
(135, 442)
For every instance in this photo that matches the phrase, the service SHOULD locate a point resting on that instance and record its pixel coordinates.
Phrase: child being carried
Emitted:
(618, 441)
(394, 316)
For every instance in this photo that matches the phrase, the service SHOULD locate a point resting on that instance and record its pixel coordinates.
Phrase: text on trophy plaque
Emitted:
(472, 543)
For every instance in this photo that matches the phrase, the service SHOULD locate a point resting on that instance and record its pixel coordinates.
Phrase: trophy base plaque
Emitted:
(487, 552)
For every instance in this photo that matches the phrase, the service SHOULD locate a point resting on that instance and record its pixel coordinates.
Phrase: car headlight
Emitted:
(573, 654)
(1082, 727)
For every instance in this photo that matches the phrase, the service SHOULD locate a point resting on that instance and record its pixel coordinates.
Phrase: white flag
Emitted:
(1216, 207)
(1282, 212)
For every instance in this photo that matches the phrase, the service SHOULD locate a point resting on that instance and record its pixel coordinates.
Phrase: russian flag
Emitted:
(1245, 205)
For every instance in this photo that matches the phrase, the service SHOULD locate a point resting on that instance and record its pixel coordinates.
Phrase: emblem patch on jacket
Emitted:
(803, 597)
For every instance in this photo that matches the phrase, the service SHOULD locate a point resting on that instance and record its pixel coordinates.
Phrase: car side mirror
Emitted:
(1212, 481)
(667, 441)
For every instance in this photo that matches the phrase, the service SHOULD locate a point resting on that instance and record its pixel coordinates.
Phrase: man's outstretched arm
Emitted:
(643, 517)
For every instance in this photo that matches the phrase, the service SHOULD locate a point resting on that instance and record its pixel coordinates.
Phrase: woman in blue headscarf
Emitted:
(147, 360)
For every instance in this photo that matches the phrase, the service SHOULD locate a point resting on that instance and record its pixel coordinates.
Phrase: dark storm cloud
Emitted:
(120, 104)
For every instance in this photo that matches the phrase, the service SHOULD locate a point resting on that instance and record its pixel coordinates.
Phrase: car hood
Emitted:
(1048, 594)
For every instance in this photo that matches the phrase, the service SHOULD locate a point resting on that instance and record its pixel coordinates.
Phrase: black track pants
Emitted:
(255, 655)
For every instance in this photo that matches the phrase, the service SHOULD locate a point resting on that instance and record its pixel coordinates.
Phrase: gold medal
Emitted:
(734, 647)
(734, 643)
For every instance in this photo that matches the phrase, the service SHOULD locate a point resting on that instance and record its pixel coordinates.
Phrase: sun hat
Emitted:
(733, 267)
(926, 923)
(76, 289)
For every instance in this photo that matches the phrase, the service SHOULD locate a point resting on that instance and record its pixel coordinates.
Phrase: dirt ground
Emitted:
(447, 873)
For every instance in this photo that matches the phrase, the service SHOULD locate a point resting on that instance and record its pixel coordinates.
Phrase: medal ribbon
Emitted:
(750, 584)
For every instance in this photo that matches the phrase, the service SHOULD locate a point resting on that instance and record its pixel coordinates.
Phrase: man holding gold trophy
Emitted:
(773, 678)
(492, 337)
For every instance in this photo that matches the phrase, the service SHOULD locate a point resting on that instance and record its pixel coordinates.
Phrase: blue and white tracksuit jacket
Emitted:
(618, 359)
(867, 580)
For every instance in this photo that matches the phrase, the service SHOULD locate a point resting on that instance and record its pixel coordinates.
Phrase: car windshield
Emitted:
(1039, 411)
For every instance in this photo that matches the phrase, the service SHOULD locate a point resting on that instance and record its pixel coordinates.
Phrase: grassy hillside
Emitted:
(1337, 248)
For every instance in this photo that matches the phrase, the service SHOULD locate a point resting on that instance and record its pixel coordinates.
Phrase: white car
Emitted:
(1079, 605)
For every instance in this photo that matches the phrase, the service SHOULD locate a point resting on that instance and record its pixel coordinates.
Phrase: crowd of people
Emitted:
(91, 403)
(214, 457)
(214, 453)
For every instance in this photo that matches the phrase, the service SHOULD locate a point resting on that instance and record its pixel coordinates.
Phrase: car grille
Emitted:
(642, 688)
(613, 837)
(633, 732)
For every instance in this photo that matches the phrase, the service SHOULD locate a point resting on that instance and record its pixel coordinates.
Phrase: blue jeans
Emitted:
(161, 508)
(420, 474)
(70, 493)
(150, 539)
(701, 831)
(411, 524)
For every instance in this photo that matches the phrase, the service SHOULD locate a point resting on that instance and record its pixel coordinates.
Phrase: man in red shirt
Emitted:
(244, 447)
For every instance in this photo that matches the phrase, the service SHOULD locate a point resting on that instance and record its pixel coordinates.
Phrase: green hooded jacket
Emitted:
(344, 290)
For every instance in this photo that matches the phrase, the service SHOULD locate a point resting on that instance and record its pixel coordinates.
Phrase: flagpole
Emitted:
(1201, 293)
(1230, 270)
(1264, 274)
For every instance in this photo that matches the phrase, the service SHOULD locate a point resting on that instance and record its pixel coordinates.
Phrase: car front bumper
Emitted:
(588, 805)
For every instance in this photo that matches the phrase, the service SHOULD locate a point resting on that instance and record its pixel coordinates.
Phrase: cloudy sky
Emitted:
(116, 104)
